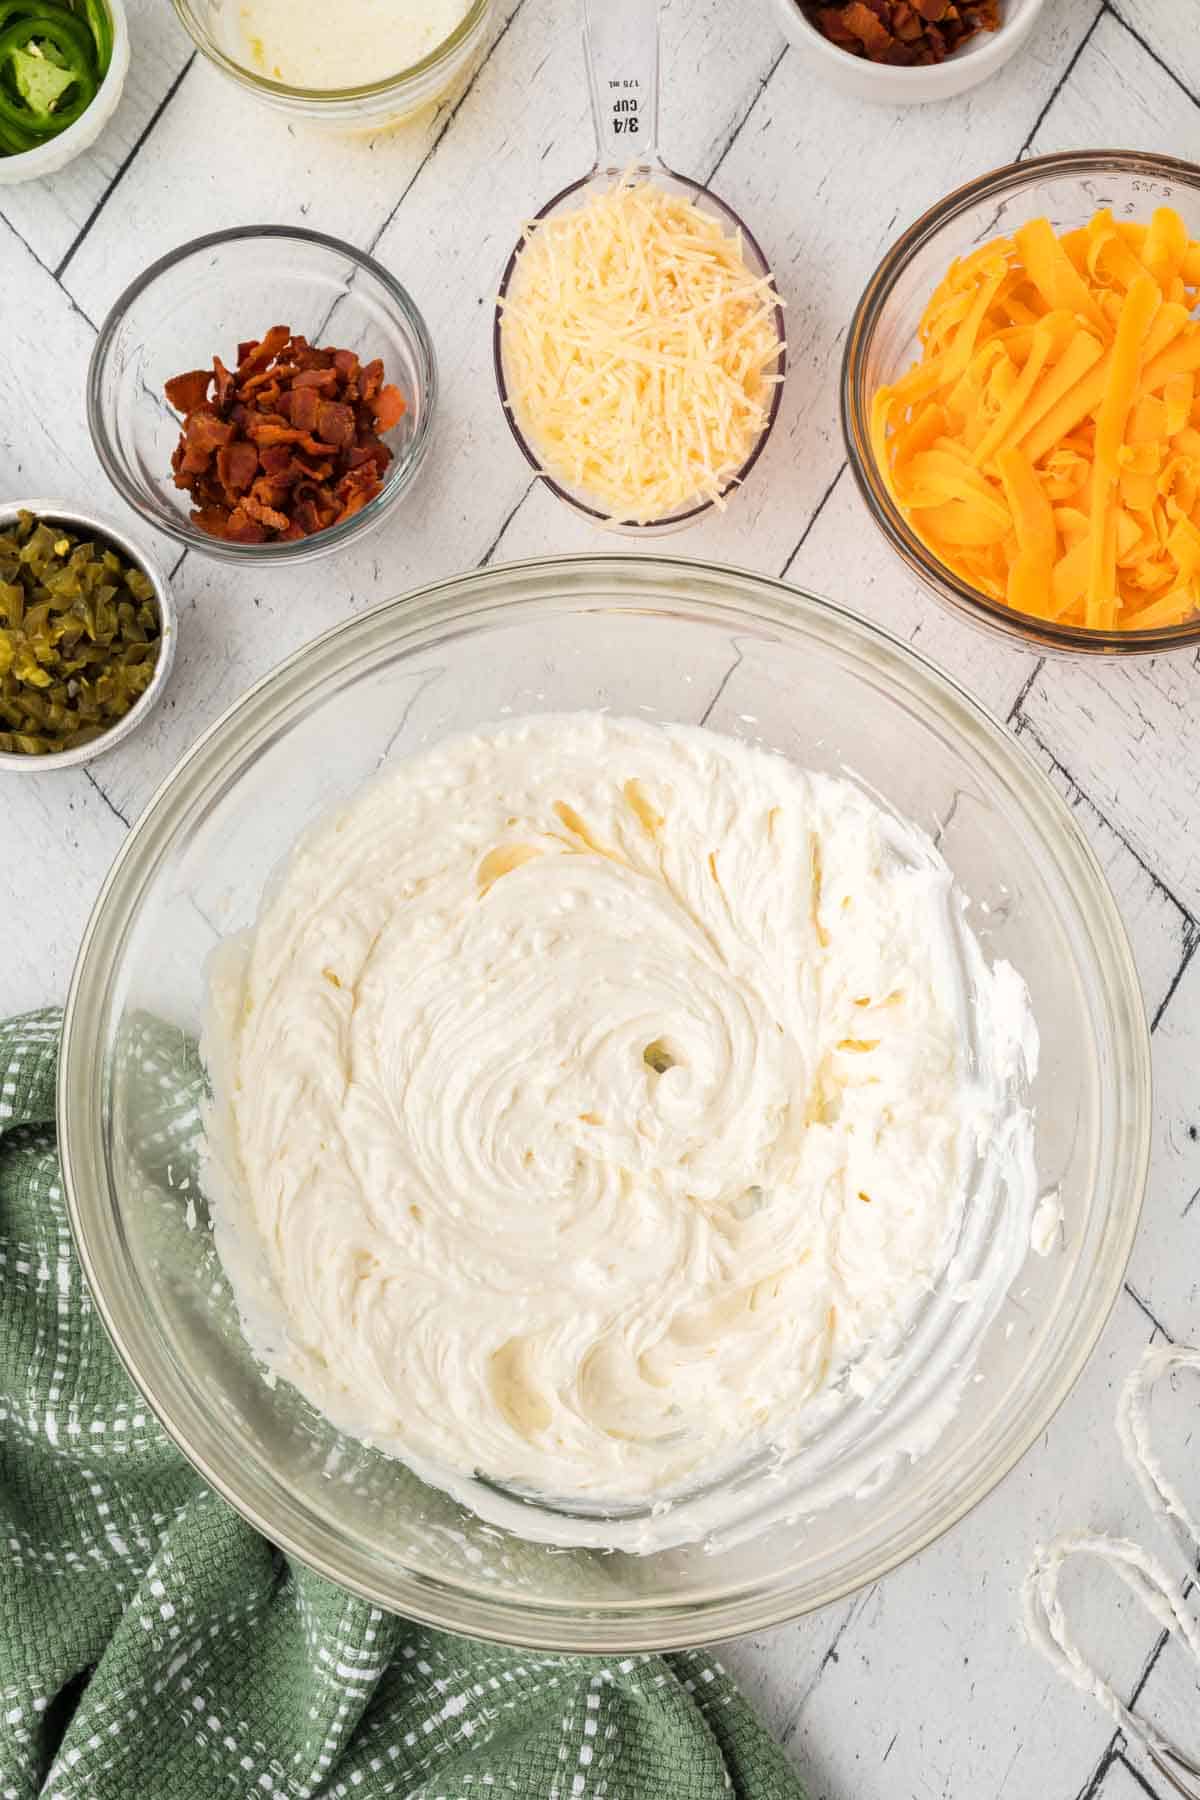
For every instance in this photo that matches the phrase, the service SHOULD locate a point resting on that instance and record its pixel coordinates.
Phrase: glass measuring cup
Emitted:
(621, 48)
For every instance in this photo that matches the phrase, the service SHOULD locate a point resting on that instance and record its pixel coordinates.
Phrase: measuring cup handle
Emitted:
(620, 42)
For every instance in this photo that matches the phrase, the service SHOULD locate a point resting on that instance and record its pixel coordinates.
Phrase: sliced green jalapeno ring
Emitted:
(100, 23)
(94, 13)
(16, 139)
(47, 70)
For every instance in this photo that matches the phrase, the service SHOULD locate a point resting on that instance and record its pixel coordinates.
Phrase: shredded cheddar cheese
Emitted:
(1046, 447)
(640, 351)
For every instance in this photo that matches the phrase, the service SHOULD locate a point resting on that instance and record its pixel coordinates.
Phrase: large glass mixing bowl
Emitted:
(649, 637)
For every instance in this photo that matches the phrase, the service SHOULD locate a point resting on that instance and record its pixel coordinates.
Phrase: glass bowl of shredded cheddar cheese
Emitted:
(1021, 401)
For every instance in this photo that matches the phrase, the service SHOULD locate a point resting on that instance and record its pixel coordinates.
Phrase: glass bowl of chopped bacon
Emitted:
(263, 393)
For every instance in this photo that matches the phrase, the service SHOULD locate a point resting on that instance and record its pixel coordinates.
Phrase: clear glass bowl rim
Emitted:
(475, 16)
(856, 402)
(444, 610)
(630, 528)
(403, 469)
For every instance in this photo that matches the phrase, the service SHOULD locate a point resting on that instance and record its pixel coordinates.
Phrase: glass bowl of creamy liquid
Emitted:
(361, 65)
(981, 1371)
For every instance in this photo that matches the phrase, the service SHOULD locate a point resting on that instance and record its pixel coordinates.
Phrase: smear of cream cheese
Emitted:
(1047, 1224)
(592, 1097)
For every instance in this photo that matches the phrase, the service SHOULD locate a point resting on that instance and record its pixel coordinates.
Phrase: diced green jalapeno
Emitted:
(80, 636)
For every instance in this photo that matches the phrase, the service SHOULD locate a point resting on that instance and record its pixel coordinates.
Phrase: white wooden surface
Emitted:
(922, 1686)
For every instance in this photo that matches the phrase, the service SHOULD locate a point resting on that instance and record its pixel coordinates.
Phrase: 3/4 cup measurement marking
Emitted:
(625, 114)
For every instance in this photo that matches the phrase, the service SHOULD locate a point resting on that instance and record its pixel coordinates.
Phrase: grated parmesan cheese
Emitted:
(640, 351)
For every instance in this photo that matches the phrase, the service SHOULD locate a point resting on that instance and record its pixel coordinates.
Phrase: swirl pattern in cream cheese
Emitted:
(589, 1096)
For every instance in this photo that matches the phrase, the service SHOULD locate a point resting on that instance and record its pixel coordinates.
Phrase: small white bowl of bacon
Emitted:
(908, 52)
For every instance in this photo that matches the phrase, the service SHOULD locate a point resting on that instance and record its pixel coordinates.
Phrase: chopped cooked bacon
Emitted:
(240, 528)
(203, 435)
(311, 519)
(265, 431)
(312, 468)
(305, 405)
(205, 431)
(903, 33)
(187, 392)
(324, 379)
(276, 460)
(357, 500)
(224, 378)
(308, 358)
(370, 451)
(257, 356)
(280, 372)
(870, 31)
(265, 515)
(270, 493)
(237, 466)
(336, 424)
(287, 444)
(390, 408)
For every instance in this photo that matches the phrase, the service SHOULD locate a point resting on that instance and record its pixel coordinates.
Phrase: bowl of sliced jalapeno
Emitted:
(62, 68)
(87, 636)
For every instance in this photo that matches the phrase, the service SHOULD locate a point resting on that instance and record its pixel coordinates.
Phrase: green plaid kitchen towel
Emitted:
(154, 1647)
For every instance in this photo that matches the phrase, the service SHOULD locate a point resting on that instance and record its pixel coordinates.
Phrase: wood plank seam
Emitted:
(1144, 1306)
(1082, 45)
(447, 123)
(853, 1614)
(488, 554)
(814, 516)
(1015, 714)
(1164, 1638)
(726, 678)
(1023, 727)
(1114, 11)
(111, 804)
(47, 270)
(1111, 1754)
(1137, 1776)
(986, 231)
(122, 169)
(735, 134)
(1181, 971)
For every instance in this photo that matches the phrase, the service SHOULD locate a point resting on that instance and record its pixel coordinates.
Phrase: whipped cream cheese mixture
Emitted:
(591, 1095)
